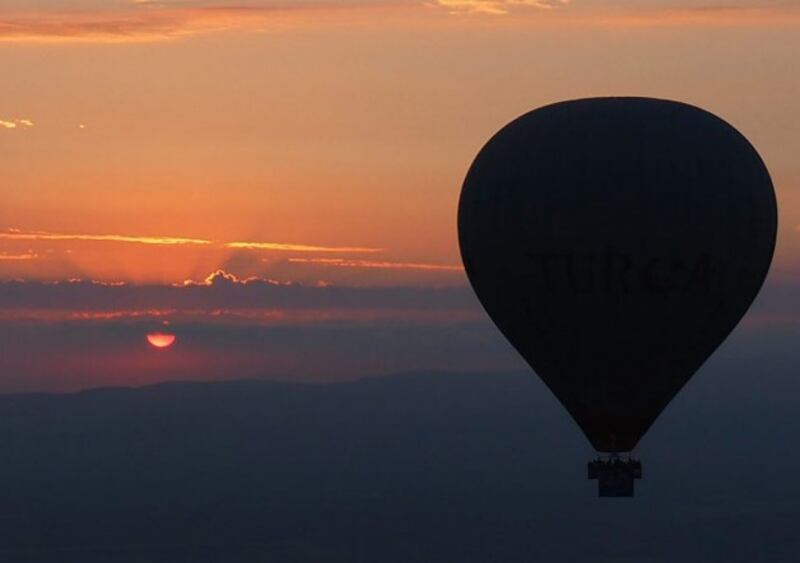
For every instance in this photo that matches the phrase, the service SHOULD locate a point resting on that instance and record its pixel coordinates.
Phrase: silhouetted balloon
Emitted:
(616, 242)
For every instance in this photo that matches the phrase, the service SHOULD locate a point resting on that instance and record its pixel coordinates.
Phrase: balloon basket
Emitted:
(615, 476)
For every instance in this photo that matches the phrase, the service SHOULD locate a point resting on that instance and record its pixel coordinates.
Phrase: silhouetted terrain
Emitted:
(414, 467)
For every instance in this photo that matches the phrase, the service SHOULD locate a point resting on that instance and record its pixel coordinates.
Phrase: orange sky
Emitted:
(141, 141)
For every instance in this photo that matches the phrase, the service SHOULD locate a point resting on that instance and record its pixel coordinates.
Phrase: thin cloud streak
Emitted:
(248, 317)
(18, 257)
(497, 7)
(154, 21)
(67, 315)
(17, 235)
(285, 247)
(383, 265)
(118, 26)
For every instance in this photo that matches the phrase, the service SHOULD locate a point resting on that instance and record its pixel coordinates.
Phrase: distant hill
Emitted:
(413, 467)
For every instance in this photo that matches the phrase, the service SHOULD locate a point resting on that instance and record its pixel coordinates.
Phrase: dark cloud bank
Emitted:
(224, 291)
(62, 337)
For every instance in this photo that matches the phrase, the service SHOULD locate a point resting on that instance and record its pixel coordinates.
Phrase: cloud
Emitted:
(221, 276)
(497, 7)
(133, 24)
(117, 21)
(15, 234)
(632, 13)
(381, 265)
(286, 247)
(77, 334)
(222, 291)
(16, 124)
(152, 20)
(17, 257)
(20, 235)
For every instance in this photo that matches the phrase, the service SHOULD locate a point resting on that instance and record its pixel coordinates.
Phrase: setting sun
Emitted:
(160, 339)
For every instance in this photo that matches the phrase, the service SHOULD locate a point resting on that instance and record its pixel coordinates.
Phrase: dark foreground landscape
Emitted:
(414, 467)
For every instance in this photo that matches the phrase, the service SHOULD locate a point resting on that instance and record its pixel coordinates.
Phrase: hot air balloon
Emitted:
(616, 242)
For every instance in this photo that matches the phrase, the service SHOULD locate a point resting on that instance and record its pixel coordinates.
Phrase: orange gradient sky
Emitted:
(327, 141)
(189, 159)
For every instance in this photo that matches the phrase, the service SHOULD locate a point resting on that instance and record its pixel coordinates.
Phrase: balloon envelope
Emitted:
(616, 242)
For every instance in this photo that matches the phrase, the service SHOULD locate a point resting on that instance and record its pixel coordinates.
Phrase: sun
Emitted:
(161, 339)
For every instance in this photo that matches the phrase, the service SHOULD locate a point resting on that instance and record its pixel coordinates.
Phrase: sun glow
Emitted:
(160, 339)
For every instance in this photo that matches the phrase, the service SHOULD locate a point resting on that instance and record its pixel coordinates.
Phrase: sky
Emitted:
(208, 167)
